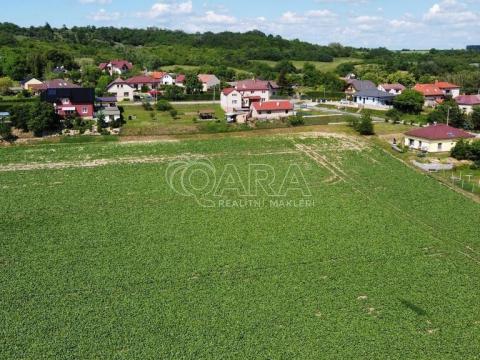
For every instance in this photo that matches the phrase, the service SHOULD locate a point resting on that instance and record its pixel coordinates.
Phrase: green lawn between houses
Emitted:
(109, 262)
(322, 66)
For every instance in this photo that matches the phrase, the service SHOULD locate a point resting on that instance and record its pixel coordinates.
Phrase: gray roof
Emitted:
(360, 85)
(375, 93)
(110, 111)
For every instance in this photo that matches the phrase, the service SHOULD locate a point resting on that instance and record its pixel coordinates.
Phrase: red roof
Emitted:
(142, 79)
(439, 132)
(253, 85)
(471, 100)
(205, 78)
(446, 85)
(228, 91)
(180, 79)
(273, 105)
(159, 74)
(119, 64)
(428, 90)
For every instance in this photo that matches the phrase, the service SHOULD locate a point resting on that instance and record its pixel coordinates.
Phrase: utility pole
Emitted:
(448, 115)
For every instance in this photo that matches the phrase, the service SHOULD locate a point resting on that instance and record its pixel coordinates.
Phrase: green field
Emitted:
(102, 259)
(162, 123)
(322, 66)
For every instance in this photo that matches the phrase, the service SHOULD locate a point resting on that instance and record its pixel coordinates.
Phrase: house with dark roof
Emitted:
(71, 101)
(373, 97)
(355, 85)
(468, 102)
(116, 67)
(435, 138)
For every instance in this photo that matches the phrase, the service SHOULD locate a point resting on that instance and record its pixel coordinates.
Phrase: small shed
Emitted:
(206, 114)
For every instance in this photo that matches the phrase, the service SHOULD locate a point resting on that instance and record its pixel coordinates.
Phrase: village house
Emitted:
(208, 81)
(468, 102)
(373, 97)
(448, 89)
(435, 138)
(69, 100)
(245, 93)
(272, 110)
(395, 89)
(180, 80)
(121, 89)
(116, 67)
(354, 86)
(164, 78)
(433, 94)
(31, 84)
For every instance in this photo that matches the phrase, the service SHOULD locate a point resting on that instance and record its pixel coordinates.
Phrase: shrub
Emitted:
(147, 106)
(296, 120)
(164, 105)
(365, 126)
(173, 113)
(394, 115)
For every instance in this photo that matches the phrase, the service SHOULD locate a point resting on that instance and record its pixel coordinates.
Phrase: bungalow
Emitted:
(163, 77)
(435, 138)
(432, 93)
(111, 113)
(354, 86)
(373, 97)
(27, 85)
(116, 67)
(121, 89)
(270, 110)
(468, 102)
(71, 101)
(208, 81)
(395, 89)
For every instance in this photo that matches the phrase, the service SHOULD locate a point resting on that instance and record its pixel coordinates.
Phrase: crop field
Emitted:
(169, 250)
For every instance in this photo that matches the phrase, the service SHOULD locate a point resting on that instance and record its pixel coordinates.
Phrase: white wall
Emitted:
(431, 146)
(122, 91)
(276, 114)
(231, 102)
(369, 101)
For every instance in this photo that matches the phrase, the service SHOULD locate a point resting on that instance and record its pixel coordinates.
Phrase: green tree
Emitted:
(101, 123)
(475, 118)
(5, 130)
(401, 77)
(173, 92)
(365, 126)
(410, 102)
(394, 115)
(5, 84)
(284, 83)
(192, 84)
(102, 84)
(43, 118)
(345, 68)
(20, 115)
(448, 111)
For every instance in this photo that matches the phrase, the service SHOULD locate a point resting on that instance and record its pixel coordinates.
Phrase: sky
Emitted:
(395, 24)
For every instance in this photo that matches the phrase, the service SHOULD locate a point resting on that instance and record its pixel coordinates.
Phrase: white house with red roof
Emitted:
(435, 138)
(164, 77)
(272, 110)
(448, 89)
(116, 67)
(435, 93)
(245, 93)
(468, 102)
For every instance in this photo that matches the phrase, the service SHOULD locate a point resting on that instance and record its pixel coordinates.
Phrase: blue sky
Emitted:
(397, 24)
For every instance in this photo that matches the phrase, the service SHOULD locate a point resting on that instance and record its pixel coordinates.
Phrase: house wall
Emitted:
(264, 94)
(31, 82)
(467, 108)
(167, 80)
(452, 92)
(369, 101)
(271, 115)
(122, 91)
(82, 110)
(231, 102)
(431, 146)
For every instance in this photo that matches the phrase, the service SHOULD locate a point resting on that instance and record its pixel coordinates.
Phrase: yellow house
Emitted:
(435, 138)
(28, 84)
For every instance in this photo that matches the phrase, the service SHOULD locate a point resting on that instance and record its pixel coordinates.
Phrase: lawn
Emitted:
(322, 66)
(162, 123)
(102, 258)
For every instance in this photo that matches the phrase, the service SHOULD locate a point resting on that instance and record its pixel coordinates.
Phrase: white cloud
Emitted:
(104, 15)
(451, 11)
(168, 8)
(212, 17)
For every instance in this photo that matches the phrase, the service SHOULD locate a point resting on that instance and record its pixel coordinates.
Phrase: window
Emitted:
(126, 94)
(269, 112)
(440, 146)
(411, 142)
(234, 102)
(65, 101)
(286, 111)
(84, 110)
